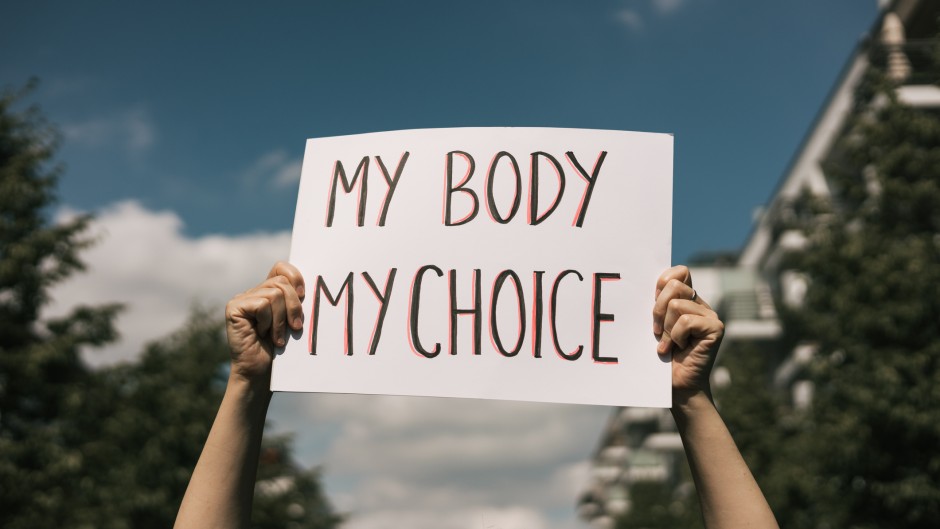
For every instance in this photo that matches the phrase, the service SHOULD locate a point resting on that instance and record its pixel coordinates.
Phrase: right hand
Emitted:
(688, 328)
(257, 321)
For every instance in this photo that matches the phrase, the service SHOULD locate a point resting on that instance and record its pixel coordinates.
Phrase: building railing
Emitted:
(923, 55)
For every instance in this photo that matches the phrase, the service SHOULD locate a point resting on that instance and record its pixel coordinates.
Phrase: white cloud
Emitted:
(132, 130)
(143, 259)
(275, 167)
(632, 17)
(629, 18)
(527, 436)
(63, 86)
(434, 462)
(288, 174)
(419, 463)
(667, 6)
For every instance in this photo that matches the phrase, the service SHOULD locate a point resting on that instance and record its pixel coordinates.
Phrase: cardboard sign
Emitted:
(496, 263)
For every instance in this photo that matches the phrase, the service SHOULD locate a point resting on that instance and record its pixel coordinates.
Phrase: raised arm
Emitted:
(687, 327)
(221, 489)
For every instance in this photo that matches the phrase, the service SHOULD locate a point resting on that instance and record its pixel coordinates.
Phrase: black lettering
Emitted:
(415, 306)
(537, 315)
(450, 190)
(491, 200)
(339, 174)
(392, 183)
(534, 217)
(554, 312)
(599, 317)
(347, 287)
(383, 298)
(494, 330)
(591, 182)
(476, 312)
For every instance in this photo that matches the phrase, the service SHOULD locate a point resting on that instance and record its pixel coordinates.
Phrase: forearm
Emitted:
(221, 489)
(729, 495)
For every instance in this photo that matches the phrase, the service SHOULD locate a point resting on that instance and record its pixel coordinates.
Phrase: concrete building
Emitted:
(640, 444)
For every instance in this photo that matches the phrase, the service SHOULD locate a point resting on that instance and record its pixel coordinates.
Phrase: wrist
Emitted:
(687, 402)
(254, 390)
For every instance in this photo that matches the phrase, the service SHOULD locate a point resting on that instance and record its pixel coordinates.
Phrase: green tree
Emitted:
(41, 373)
(873, 309)
(112, 448)
(662, 506)
(152, 419)
(771, 435)
(864, 455)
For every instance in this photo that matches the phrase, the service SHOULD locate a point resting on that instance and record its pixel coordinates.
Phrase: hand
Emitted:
(688, 328)
(256, 321)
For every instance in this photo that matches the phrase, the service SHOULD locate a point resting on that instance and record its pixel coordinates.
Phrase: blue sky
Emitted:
(194, 107)
(184, 124)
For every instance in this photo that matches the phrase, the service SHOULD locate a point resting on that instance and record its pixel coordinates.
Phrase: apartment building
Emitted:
(641, 444)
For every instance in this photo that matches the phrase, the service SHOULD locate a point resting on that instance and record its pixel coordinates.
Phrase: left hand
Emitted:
(258, 321)
(688, 328)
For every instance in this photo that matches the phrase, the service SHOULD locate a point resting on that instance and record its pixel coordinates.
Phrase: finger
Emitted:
(680, 273)
(278, 311)
(676, 309)
(696, 327)
(679, 307)
(289, 271)
(257, 309)
(665, 343)
(668, 291)
(294, 312)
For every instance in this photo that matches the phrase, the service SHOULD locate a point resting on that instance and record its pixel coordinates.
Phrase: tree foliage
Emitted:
(158, 411)
(771, 434)
(864, 454)
(42, 377)
(873, 309)
(657, 505)
(109, 448)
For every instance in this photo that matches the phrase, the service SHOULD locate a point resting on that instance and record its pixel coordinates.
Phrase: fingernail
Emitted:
(298, 323)
(662, 348)
(300, 291)
(657, 328)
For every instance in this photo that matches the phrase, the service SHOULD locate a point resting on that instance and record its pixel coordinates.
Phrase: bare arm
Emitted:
(688, 328)
(221, 489)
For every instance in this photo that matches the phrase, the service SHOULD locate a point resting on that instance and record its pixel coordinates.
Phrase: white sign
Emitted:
(496, 263)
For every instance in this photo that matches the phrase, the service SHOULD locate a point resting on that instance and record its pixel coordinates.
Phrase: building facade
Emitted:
(641, 444)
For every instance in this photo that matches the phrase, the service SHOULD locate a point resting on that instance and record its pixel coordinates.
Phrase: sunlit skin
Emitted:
(257, 321)
(221, 489)
(692, 332)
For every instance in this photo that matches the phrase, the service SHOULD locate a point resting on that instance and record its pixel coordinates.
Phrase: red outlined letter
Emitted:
(537, 313)
(392, 184)
(598, 318)
(574, 355)
(591, 182)
(476, 312)
(339, 174)
(449, 189)
(414, 307)
(534, 217)
(346, 287)
(517, 196)
(382, 298)
(494, 331)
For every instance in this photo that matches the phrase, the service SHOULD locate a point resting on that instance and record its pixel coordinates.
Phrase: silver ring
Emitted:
(694, 295)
